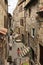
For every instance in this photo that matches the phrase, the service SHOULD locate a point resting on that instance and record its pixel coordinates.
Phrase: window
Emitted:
(10, 48)
(20, 9)
(21, 22)
(33, 32)
(23, 39)
(5, 22)
(32, 54)
(41, 55)
(19, 30)
(6, 2)
(29, 12)
(9, 59)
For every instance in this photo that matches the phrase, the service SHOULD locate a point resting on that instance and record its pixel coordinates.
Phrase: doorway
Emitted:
(22, 38)
(41, 54)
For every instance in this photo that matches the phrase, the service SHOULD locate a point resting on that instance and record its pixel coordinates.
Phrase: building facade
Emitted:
(3, 30)
(34, 25)
(19, 19)
(3, 13)
(16, 20)
(22, 20)
(30, 18)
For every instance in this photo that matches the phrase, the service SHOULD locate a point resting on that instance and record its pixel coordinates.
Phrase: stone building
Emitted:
(40, 32)
(22, 20)
(3, 30)
(34, 27)
(19, 19)
(9, 26)
(30, 18)
(3, 13)
(15, 20)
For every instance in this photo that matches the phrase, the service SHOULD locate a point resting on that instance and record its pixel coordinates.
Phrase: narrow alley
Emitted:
(21, 32)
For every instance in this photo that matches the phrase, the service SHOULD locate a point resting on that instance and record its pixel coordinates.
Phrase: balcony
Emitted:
(31, 3)
(40, 11)
(21, 1)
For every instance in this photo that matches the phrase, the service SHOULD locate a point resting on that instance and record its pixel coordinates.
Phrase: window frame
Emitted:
(33, 32)
(21, 22)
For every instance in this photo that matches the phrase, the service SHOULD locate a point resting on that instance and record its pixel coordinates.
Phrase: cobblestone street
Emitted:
(13, 52)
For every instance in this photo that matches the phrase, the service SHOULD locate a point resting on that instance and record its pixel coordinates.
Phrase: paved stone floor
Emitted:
(13, 52)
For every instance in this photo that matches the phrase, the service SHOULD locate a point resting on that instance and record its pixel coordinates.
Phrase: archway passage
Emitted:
(41, 55)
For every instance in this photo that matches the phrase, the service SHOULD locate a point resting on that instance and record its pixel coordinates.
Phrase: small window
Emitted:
(5, 22)
(41, 54)
(20, 9)
(9, 59)
(19, 30)
(10, 48)
(23, 41)
(6, 1)
(21, 22)
(29, 12)
(33, 32)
